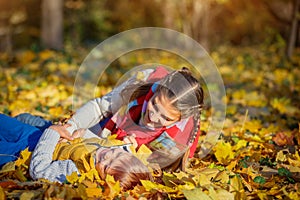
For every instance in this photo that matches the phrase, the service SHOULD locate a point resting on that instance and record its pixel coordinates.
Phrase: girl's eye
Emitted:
(168, 119)
(151, 113)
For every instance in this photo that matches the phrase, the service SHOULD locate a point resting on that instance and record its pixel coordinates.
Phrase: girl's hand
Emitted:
(79, 133)
(62, 130)
(131, 139)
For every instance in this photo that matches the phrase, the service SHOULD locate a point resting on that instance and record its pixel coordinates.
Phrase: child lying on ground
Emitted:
(54, 161)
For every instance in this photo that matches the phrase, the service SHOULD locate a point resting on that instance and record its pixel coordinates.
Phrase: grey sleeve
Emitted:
(95, 110)
(42, 165)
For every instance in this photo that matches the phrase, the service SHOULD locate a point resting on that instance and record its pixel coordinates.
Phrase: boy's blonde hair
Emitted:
(128, 169)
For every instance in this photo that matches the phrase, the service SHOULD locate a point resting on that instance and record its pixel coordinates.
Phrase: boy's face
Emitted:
(105, 158)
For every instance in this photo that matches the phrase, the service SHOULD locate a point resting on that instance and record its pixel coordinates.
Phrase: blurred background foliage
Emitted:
(84, 23)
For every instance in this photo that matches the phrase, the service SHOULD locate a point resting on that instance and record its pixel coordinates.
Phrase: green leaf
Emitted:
(20, 176)
(291, 180)
(284, 172)
(259, 180)
(267, 161)
(243, 162)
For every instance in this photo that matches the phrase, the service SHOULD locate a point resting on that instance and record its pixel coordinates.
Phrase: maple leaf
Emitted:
(94, 192)
(196, 193)
(92, 175)
(237, 188)
(73, 178)
(283, 105)
(220, 193)
(240, 144)
(149, 185)
(114, 186)
(223, 152)
(24, 158)
(142, 154)
(204, 176)
(294, 159)
(283, 138)
(253, 126)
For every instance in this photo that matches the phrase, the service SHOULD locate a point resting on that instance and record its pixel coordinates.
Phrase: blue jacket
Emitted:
(15, 136)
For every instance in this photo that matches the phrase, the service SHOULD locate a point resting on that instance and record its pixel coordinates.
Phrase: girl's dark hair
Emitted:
(184, 91)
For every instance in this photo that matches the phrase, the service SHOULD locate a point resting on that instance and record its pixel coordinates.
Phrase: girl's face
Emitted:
(105, 157)
(160, 112)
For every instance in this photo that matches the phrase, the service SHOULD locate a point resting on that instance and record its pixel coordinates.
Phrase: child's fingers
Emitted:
(131, 139)
(68, 135)
(63, 132)
(126, 140)
(78, 133)
(66, 125)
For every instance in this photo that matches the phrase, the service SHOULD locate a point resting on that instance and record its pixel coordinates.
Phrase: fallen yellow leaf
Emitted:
(24, 158)
(73, 178)
(223, 152)
(94, 192)
(114, 186)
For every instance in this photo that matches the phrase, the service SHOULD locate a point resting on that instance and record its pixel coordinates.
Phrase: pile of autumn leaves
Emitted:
(256, 157)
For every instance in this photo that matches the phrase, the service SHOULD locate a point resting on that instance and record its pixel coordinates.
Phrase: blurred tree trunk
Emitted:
(197, 17)
(286, 12)
(294, 29)
(169, 17)
(194, 20)
(201, 26)
(281, 10)
(5, 33)
(52, 24)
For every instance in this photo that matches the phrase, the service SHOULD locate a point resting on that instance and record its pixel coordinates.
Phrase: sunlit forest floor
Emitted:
(256, 157)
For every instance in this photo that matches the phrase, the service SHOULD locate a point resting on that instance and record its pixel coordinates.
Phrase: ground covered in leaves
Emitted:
(256, 157)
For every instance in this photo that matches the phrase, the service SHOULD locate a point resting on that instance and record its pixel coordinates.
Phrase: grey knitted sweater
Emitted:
(42, 165)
